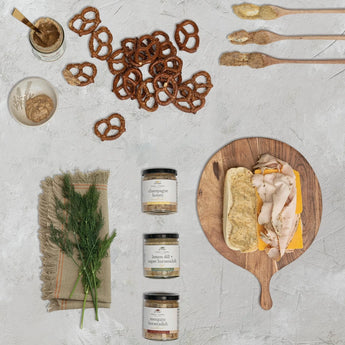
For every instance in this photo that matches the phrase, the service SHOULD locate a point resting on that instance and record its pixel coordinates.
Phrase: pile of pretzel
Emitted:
(164, 84)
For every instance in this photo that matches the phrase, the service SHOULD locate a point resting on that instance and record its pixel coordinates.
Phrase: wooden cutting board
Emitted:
(245, 152)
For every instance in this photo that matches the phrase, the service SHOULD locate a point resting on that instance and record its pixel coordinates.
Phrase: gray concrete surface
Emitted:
(302, 105)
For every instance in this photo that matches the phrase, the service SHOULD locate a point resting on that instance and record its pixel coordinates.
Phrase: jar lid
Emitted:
(162, 296)
(171, 235)
(159, 170)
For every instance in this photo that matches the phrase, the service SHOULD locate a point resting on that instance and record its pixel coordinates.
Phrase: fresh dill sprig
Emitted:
(81, 221)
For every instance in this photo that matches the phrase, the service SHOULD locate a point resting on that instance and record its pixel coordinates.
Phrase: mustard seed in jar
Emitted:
(161, 255)
(159, 191)
(161, 316)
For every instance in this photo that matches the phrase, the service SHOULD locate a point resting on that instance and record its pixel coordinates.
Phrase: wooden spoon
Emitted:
(265, 37)
(268, 12)
(260, 60)
(18, 15)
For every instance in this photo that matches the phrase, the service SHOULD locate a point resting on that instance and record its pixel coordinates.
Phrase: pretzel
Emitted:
(188, 100)
(146, 50)
(146, 97)
(125, 84)
(96, 51)
(167, 48)
(104, 135)
(157, 67)
(171, 65)
(81, 77)
(117, 62)
(159, 34)
(197, 85)
(88, 25)
(165, 85)
(129, 45)
(182, 42)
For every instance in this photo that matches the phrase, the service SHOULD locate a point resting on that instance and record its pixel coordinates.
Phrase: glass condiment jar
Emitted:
(159, 191)
(50, 44)
(161, 255)
(161, 316)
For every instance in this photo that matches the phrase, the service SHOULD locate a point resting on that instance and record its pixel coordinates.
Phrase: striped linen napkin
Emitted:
(59, 273)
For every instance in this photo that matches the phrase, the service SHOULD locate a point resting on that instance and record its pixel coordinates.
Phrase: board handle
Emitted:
(265, 298)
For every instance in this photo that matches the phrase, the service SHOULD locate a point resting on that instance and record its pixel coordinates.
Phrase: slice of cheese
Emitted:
(297, 240)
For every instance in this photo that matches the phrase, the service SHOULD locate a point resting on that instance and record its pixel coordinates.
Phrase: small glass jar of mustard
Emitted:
(161, 316)
(50, 45)
(161, 255)
(159, 191)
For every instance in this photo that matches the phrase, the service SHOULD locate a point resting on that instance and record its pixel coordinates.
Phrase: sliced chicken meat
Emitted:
(278, 213)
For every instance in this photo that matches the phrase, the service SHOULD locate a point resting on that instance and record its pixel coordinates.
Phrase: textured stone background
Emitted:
(302, 105)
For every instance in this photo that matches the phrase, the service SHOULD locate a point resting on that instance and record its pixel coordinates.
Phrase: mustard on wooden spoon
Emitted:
(242, 37)
(268, 12)
(260, 60)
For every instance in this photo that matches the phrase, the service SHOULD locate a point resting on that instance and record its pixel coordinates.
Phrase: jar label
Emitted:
(161, 320)
(158, 191)
(161, 256)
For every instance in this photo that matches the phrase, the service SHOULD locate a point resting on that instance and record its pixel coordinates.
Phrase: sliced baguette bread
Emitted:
(239, 210)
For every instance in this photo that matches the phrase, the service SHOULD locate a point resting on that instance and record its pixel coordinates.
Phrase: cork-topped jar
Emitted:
(161, 316)
(159, 191)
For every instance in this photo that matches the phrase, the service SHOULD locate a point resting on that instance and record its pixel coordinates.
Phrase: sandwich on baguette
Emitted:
(239, 210)
(262, 210)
